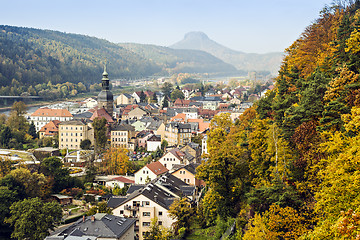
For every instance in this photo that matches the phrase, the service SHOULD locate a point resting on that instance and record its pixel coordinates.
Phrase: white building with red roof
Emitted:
(119, 181)
(44, 115)
(149, 172)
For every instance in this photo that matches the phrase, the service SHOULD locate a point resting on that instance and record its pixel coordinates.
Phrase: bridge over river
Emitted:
(9, 100)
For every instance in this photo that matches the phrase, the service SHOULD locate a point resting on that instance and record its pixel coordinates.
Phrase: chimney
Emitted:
(155, 198)
(83, 218)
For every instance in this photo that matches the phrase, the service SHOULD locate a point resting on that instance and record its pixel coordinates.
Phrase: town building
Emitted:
(124, 99)
(71, 133)
(44, 115)
(149, 172)
(187, 174)
(153, 143)
(97, 227)
(105, 98)
(120, 136)
(50, 129)
(177, 133)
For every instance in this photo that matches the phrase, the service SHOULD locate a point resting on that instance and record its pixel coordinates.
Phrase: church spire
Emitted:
(105, 74)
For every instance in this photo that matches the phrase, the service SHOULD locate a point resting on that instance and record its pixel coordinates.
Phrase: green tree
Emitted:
(177, 93)
(33, 219)
(100, 130)
(165, 103)
(54, 168)
(182, 212)
(167, 88)
(7, 197)
(142, 97)
(32, 130)
(85, 144)
(157, 232)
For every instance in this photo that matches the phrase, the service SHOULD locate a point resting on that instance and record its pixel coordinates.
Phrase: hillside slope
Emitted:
(34, 56)
(175, 60)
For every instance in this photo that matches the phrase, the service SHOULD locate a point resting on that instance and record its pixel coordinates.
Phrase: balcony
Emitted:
(131, 208)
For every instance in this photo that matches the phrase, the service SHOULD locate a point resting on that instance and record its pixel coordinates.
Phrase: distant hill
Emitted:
(33, 56)
(175, 60)
(242, 61)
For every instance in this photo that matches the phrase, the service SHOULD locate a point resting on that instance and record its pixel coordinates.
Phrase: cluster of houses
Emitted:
(134, 124)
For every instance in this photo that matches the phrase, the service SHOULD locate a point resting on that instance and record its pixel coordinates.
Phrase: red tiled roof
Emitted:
(157, 168)
(51, 128)
(123, 179)
(47, 112)
(202, 125)
(179, 117)
(101, 113)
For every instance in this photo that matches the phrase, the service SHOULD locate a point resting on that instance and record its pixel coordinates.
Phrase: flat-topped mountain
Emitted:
(242, 61)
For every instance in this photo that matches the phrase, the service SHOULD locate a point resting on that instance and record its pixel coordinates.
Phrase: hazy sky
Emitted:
(250, 26)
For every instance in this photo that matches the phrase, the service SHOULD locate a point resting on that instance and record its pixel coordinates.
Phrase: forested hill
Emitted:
(33, 56)
(290, 167)
(175, 60)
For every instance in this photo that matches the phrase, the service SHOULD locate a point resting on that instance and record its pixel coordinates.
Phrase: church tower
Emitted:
(105, 98)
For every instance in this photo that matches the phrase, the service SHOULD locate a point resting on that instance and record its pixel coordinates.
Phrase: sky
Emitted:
(252, 26)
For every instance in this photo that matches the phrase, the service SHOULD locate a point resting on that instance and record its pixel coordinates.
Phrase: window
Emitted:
(146, 214)
(121, 211)
(145, 203)
(160, 213)
(146, 224)
(160, 223)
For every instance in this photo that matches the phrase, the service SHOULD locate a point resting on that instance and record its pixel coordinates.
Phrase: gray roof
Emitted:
(104, 226)
(154, 193)
(115, 201)
(123, 127)
(134, 187)
(179, 125)
(84, 115)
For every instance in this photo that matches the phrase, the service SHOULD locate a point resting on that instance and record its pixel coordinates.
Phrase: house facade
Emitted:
(177, 134)
(44, 115)
(71, 133)
(149, 172)
(146, 204)
(125, 99)
(120, 136)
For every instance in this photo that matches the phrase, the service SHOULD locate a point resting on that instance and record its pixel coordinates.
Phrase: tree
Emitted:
(115, 161)
(5, 135)
(166, 89)
(54, 168)
(35, 184)
(16, 121)
(100, 130)
(276, 223)
(157, 232)
(33, 219)
(154, 98)
(32, 130)
(7, 197)
(177, 93)
(142, 97)
(182, 211)
(5, 166)
(165, 103)
(85, 144)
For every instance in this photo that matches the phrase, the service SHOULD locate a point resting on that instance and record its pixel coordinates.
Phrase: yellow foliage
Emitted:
(115, 161)
(337, 85)
(353, 42)
(276, 223)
